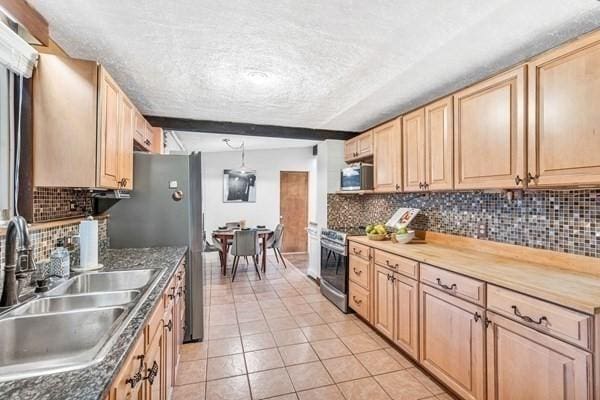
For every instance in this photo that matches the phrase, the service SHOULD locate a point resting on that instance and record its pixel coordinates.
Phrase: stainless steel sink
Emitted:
(36, 344)
(75, 302)
(105, 282)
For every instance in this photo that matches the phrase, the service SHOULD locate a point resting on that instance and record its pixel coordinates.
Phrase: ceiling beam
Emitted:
(236, 128)
(27, 16)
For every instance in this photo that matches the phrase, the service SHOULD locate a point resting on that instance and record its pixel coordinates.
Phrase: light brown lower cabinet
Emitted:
(383, 302)
(452, 342)
(523, 364)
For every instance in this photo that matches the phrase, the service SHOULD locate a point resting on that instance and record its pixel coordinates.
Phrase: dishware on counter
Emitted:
(404, 238)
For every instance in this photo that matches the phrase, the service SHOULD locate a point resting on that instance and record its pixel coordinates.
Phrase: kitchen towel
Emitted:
(88, 243)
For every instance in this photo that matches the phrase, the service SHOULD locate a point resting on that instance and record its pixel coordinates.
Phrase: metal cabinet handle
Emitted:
(526, 318)
(357, 272)
(391, 277)
(169, 326)
(420, 185)
(357, 301)
(397, 187)
(476, 316)
(532, 178)
(357, 251)
(387, 262)
(518, 180)
(425, 185)
(152, 373)
(451, 287)
(137, 377)
(172, 294)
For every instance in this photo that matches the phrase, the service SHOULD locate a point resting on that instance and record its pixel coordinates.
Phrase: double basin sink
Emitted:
(72, 325)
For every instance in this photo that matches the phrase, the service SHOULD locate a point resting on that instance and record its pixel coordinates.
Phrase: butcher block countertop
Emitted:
(569, 280)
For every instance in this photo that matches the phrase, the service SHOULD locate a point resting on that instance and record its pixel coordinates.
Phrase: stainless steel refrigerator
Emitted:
(165, 209)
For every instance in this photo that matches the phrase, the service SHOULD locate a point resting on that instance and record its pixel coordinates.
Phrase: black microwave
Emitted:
(357, 177)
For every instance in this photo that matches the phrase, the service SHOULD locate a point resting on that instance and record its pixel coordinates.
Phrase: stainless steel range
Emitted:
(334, 265)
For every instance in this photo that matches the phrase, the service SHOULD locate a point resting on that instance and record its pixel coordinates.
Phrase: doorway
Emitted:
(293, 210)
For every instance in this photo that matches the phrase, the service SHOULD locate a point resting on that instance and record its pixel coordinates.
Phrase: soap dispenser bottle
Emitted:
(60, 260)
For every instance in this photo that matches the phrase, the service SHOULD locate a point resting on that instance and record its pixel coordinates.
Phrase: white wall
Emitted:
(330, 161)
(268, 164)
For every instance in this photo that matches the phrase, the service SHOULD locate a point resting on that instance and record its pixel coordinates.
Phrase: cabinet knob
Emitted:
(397, 187)
(357, 301)
(169, 326)
(532, 178)
(518, 180)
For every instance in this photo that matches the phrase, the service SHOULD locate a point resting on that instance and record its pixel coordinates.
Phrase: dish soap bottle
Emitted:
(60, 260)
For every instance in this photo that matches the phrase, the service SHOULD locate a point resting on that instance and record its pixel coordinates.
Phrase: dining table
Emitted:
(225, 238)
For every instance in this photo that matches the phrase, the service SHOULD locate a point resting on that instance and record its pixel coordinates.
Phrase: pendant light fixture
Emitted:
(242, 169)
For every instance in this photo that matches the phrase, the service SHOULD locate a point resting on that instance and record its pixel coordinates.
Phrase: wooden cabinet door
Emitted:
(564, 121)
(406, 299)
(523, 364)
(140, 128)
(126, 143)
(155, 368)
(129, 384)
(413, 138)
(387, 157)
(149, 139)
(383, 300)
(452, 342)
(109, 144)
(489, 133)
(439, 145)
(350, 149)
(170, 345)
(364, 144)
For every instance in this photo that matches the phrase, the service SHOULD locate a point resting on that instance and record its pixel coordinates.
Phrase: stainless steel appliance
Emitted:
(165, 209)
(334, 267)
(357, 177)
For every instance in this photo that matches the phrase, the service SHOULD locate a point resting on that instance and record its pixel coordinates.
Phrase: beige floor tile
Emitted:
(281, 324)
(288, 337)
(309, 376)
(426, 380)
(258, 342)
(363, 389)
(308, 319)
(298, 354)
(360, 343)
(344, 369)
(191, 372)
(274, 382)
(318, 332)
(221, 300)
(297, 309)
(194, 391)
(401, 385)
(261, 360)
(250, 316)
(223, 331)
(226, 366)
(445, 396)
(270, 295)
(401, 358)
(330, 348)
(291, 396)
(235, 388)
(253, 327)
(271, 303)
(384, 344)
(379, 362)
(345, 328)
(313, 298)
(194, 351)
(322, 393)
(224, 347)
(289, 301)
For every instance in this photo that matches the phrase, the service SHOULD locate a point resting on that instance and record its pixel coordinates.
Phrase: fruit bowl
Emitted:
(404, 238)
(377, 236)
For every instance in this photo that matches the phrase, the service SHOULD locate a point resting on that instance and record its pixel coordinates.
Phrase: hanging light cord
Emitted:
(240, 147)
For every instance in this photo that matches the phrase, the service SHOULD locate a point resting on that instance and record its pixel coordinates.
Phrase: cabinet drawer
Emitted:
(155, 324)
(565, 324)
(359, 300)
(359, 250)
(399, 264)
(460, 286)
(359, 271)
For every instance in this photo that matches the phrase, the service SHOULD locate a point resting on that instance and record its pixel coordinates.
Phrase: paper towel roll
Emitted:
(88, 243)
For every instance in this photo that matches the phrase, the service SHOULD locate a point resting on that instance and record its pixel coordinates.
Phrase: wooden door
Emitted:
(364, 144)
(140, 128)
(387, 154)
(126, 139)
(155, 368)
(489, 133)
(126, 386)
(564, 120)
(439, 145)
(350, 149)
(413, 137)
(109, 144)
(523, 364)
(406, 300)
(452, 342)
(293, 206)
(383, 300)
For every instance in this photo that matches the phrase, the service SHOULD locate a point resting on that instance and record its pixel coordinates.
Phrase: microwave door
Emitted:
(350, 179)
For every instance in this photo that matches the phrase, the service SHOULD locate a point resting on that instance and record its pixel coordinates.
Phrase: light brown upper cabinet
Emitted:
(564, 118)
(387, 156)
(413, 140)
(81, 126)
(359, 147)
(489, 133)
(439, 145)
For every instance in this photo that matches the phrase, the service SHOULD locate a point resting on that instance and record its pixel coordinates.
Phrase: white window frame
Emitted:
(7, 146)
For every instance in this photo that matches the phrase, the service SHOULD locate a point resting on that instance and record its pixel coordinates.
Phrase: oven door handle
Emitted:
(335, 248)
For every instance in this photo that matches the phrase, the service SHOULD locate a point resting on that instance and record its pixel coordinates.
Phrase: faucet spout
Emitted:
(18, 260)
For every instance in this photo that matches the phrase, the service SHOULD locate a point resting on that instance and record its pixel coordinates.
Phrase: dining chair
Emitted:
(275, 242)
(232, 225)
(245, 244)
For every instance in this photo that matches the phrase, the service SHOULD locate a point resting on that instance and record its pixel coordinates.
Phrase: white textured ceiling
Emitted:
(213, 142)
(332, 64)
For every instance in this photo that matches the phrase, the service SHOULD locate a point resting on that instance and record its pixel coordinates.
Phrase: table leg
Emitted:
(224, 255)
(264, 254)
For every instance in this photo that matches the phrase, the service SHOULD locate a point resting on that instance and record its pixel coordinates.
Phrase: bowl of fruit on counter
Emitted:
(404, 235)
(376, 232)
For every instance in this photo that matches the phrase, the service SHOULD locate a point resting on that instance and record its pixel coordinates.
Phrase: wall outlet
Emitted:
(72, 205)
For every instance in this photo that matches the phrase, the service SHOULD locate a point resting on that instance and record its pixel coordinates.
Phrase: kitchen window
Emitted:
(6, 148)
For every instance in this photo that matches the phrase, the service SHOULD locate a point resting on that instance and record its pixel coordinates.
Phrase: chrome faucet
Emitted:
(19, 260)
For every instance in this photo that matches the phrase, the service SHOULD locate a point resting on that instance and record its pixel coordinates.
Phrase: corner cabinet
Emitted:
(489, 133)
(564, 122)
(387, 157)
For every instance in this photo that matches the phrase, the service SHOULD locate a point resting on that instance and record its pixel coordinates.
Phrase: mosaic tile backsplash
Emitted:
(55, 203)
(566, 221)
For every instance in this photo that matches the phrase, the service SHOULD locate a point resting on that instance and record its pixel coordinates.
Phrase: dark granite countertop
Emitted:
(93, 382)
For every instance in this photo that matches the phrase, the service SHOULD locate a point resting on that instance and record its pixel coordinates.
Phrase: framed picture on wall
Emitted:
(239, 186)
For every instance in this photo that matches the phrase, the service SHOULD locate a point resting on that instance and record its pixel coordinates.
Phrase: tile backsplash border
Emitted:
(566, 221)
